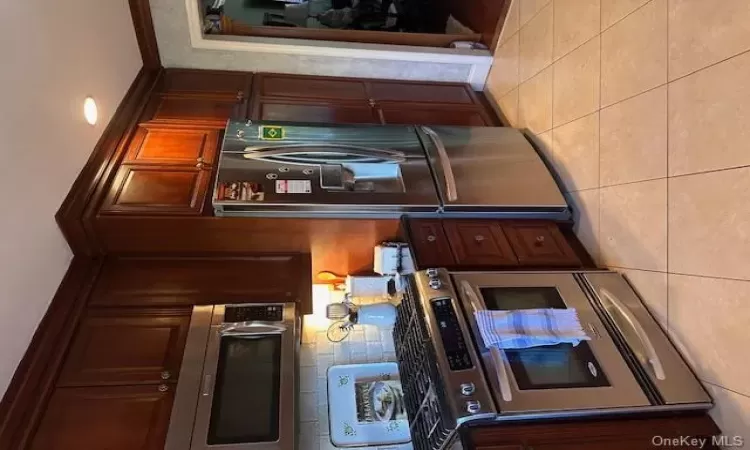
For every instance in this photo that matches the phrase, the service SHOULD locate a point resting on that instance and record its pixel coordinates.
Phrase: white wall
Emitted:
(53, 56)
(176, 50)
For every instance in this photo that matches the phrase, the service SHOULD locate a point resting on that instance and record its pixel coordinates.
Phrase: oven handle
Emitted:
(497, 355)
(250, 328)
(653, 357)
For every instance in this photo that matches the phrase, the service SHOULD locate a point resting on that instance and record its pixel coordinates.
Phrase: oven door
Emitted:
(247, 396)
(561, 378)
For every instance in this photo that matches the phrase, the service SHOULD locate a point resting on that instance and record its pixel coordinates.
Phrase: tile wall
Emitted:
(365, 344)
(643, 108)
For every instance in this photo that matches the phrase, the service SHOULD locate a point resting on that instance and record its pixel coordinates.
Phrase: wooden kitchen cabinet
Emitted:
(415, 114)
(313, 112)
(170, 144)
(117, 346)
(300, 98)
(635, 433)
(151, 281)
(106, 417)
(487, 244)
(540, 243)
(199, 110)
(147, 190)
(479, 243)
(210, 83)
(430, 245)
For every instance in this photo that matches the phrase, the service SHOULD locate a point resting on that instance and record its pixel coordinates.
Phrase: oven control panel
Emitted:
(248, 313)
(450, 333)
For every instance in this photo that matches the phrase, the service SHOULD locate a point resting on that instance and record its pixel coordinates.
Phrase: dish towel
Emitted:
(530, 328)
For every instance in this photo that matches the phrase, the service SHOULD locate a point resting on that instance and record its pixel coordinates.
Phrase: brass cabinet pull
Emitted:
(165, 375)
(163, 388)
(479, 238)
(431, 238)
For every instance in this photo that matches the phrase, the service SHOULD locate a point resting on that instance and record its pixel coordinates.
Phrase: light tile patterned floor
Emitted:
(643, 107)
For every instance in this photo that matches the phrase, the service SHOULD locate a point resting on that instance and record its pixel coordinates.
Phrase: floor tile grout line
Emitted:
(625, 16)
(604, 186)
(532, 17)
(708, 66)
(599, 106)
(725, 388)
(666, 155)
(680, 273)
(723, 169)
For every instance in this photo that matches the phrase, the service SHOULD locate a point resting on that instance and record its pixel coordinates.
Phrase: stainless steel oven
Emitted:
(238, 382)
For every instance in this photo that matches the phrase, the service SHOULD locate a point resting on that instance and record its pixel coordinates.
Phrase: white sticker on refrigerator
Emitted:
(293, 187)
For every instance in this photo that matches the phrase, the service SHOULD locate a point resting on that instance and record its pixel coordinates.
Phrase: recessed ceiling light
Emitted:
(90, 111)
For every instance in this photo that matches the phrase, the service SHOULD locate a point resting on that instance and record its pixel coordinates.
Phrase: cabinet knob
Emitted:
(163, 388)
(200, 159)
(165, 375)
(240, 96)
(479, 238)
(431, 238)
(199, 165)
(539, 241)
(372, 102)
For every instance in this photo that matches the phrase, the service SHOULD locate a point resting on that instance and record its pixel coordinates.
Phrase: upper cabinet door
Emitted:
(155, 144)
(295, 86)
(142, 189)
(416, 114)
(384, 91)
(312, 112)
(211, 111)
(126, 346)
(112, 418)
(206, 82)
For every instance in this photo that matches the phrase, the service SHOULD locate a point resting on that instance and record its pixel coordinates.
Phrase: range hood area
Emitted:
(270, 170)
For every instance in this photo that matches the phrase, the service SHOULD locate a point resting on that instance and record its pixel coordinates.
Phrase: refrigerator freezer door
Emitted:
(490, 170)
(330, 171)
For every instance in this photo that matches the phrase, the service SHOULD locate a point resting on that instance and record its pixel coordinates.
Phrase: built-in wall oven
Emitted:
(451, 379)
(237, 385)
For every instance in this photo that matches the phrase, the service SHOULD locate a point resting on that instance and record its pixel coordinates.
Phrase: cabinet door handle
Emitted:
(240, 96)
(539, 241)
(431, 238)
(163, 388)
(199, 165)
(479, 238)
(165, 375)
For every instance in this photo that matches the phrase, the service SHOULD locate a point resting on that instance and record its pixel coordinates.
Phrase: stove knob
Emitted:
(467, 389)
(473, 407)
(435, 283)
(432, 273)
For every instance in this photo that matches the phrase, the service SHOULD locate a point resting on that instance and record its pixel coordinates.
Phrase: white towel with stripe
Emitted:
(530, 328)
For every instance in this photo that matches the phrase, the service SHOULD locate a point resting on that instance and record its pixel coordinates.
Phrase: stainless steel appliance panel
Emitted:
(658, 357)
(489, 168)
(286, 422)
(347, 168)
(609, 383)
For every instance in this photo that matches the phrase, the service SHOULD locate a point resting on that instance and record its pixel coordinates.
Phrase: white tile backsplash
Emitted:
(365, 344)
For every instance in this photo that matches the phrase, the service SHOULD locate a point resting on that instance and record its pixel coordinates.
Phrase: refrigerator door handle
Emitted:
(270, 151)
(653, 357)
(445, 163)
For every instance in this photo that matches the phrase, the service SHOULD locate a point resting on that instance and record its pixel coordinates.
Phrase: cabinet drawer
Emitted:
(162, 144)
(144, 189)
(127, 346)
(540, 243)
(479, 243)
(430, 244)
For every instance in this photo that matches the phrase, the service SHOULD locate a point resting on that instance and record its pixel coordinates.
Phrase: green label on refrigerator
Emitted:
(271, 133)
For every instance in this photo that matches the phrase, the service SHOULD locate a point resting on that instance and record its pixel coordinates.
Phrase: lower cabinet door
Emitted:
(121, 346)
(479, 243)
(158, 190)
(112, 418)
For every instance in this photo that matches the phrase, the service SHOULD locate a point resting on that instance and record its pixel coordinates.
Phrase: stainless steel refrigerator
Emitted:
(273, 170)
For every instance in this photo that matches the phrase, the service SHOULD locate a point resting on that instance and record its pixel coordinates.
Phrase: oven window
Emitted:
(245, 405)
(548, 367)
